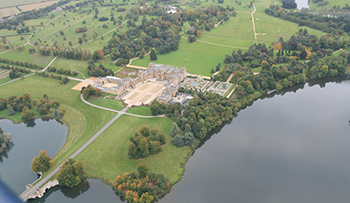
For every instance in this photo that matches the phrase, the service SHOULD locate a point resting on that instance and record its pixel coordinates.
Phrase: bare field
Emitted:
(30, 7)
(8, 11)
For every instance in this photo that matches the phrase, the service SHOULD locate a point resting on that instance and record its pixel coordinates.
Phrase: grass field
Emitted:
(29, 7)
(107, 102)
(8, 11)
(25, 56)
(142, 110)
(198, 58)
(107, 155)
(17, 2)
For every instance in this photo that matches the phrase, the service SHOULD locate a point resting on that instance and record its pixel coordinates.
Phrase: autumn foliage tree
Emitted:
(41, 163)
(143, 187)
(98, 55)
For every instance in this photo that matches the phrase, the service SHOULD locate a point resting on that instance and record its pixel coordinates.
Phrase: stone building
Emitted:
(157, 72)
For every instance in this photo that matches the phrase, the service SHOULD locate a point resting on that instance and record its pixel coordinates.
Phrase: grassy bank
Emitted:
(107, 155)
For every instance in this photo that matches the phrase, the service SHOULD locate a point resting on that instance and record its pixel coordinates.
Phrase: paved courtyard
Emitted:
(143, 94)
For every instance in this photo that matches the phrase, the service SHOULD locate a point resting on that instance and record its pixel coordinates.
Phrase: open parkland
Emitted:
(106, 157)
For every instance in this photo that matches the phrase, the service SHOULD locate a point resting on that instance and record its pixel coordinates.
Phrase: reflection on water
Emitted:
(91, 190)
(292, 148)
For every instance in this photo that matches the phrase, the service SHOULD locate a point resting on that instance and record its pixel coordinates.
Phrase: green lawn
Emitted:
(107, 102)
(107, 155)
(142, 110)
(25, 56)
(198, 58)
(79, 65)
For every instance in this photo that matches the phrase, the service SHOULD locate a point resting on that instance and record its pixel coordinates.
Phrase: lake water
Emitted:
(293, 147)
(27, 140)
(302, 4)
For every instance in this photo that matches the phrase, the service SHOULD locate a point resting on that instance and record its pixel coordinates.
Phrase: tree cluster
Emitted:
(71, 173)
(145, 187)
(98, 71)
(4, 140)
(145, 143)
(41, 163)
(26, 105)
(180, 140)
(90, 90)
(204, 112)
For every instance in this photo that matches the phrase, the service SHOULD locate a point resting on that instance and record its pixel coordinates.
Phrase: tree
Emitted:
(199, 33)
(142, 169)
(153, 55)
(41, 163)
(303, 55)
(174, 130)
(98, 55)
(27, 114)
(71, 173)
(145, 131)
(10, 110)
(80, 40)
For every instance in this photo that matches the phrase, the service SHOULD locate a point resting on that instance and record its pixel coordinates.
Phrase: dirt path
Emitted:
(221, 45)
(229, 78)
(254, 22)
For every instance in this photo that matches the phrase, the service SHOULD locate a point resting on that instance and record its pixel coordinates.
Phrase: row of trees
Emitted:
(145, 143)
(20, 63)
(63, 79)
(143, 186)
(4, 140)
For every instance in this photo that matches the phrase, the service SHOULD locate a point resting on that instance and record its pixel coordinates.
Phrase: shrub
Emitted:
(103, 19)
(121, 9)
(81, 29)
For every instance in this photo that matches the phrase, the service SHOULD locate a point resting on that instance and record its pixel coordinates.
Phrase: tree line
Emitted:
(336, 24)
(25, 104)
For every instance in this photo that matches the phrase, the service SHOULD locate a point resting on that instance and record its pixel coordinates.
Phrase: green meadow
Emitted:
(107, 155)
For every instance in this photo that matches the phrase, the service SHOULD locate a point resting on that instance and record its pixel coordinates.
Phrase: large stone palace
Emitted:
(170, 76)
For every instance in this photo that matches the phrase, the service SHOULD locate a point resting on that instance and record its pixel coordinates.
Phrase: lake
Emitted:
(291, 147)
(302, 4)
(27, 140)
